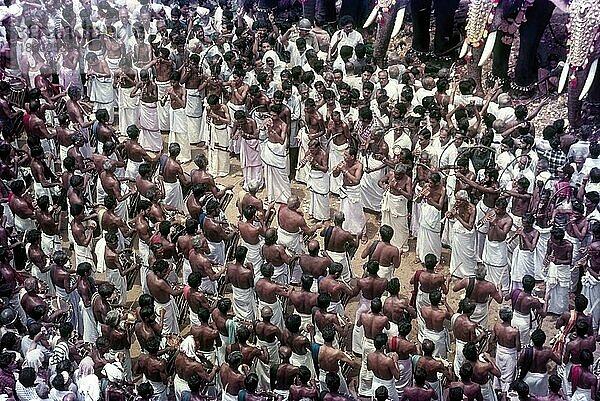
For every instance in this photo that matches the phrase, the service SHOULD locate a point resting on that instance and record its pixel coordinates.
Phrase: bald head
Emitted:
(293, 202)
(428, 83)
(285, 353)
(313, 247)
(70, 397)
(266, 313)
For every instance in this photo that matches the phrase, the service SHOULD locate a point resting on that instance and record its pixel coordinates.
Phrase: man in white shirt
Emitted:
(391, 90)
(347, 36)
(503, 110)
(581, 147)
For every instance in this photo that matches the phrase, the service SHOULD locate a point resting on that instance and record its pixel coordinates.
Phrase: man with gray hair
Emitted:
(479, 291)
(119, 339)
(503, 110)
(462, 235)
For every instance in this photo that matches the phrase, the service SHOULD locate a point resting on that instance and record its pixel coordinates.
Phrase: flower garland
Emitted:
(384, 7)
(479, 19)
(582, 27)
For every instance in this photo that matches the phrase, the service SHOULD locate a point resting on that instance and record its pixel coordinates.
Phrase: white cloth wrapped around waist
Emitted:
(537, 382)
(126, 101)
(440, 340)
(303, 360)
(170, 323)
(274, 155)
(161, 390)
(405, 379)
(244, 300)
(341, 258)
(318, 182)
(277, 318)
(495, 253)
(559, 274)
(582, 394)
(305, 319)
(397, 205)
(482, 210)
(430, 217)
(480, 315)
(390, 384)
(217, 252)
(291, 241)
(194, 103)
(173, 194)
(254, 255)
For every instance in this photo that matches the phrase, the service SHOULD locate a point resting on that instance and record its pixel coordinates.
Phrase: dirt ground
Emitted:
(556, 108)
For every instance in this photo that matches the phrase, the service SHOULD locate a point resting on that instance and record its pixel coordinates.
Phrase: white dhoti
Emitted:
(464, 255)
(394, 213)
(254, 256)
(144, 268)
(481, 314)
(506, 360)
(179, 385)
(495, 258)
(132, 169)
(439, 339)
(351, 206)
(274, 157)
(358, 333)
(343, 384)
(522, 264)
(365, 376)
(114, 277)
(83, 254)
(558, 284)
(102, 95)
(163, 111)
(540, 253)
(386, 272)
(318, 184)
(390, 384)
(170, 313)
(194, 107)
(173, 195)
(277, 319)
(179, 134)
(208, 286)
(250, 161)
(218, 149)
(421, 301)
(438, 388)
(459, 358)
(302, 143)
(305, 320)
(282, 395)
(263, 370)
(582, 394)
(482, 229)
(304, 360)
(526, 326)
(244, 302)
(429, 240)
(23, 225)
(160, 389)
(336, 156)
(342, 258)
(405, 379)
(150, 138)
(563, 372)
(129, 109)
(370, 191)
(487, 391)
(234, 145)
(217, 252)
(537, 382)
(591, 290)
(90, 327)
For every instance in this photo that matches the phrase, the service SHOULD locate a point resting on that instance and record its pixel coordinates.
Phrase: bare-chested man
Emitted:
(533, 362)
(431, 367)
(421, 391)
(484, 369)
(480, 292)
(508, 346)
(431, 201)
(351, 171)
(241, 276)
(277, 256)
(337, 243)
(284, 375)
(384, 367)
(526, 309)
(188, 364)
(471, 390)
(330, 360)
(163, 292)
(383, 252)
(583, 381)
(434, 316)
(314, 264)
(292, 229)
(268, 336)
(338, 289)
(373, 322)
(153, 368)
(268, 290)
(404, 349)
(465, 330)
(394, 208)
(207, 336)
(299, 343)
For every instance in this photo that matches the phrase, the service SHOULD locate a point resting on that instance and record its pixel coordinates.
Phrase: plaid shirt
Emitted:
(556, 160)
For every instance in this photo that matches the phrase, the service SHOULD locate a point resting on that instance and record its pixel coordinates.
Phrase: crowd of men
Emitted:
(103, 106)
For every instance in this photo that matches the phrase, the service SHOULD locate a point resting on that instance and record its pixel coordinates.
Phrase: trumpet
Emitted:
(488, 218)
(305, 161)
(424, 193)
(452, 212)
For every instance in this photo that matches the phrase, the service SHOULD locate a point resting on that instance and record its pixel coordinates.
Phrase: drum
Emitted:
(18, 91)
(230, 246)
(61, 107)
(184, 310)
(225, 199)
(55, 304)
